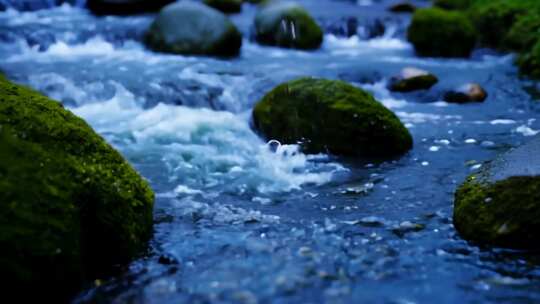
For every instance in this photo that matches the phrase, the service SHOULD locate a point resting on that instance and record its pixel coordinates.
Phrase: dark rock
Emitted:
(402, 7)
(470, 92)
(192, 28)
(125, 7)
(226, 6)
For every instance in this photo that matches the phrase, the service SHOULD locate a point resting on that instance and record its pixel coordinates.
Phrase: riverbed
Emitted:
(241, 220)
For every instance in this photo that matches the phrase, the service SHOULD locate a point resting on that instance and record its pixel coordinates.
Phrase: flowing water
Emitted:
(240, 220)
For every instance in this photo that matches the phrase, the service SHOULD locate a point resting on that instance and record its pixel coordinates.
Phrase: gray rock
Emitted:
(192, 28)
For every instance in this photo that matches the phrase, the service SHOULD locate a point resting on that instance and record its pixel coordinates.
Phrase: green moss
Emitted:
(71, 205)
(439, 33)
(453, 4)
(494, 19)
(505, 213)
(523, 34)
(287, 25)
(422, 82)
(330, 116)
(226, 6)
(529, 62)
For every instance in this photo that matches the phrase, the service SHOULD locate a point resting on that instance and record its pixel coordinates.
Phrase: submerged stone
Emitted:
(125, 7)
(470, 92)
(438, 33)
(500, 206)
(330, 116)
(287, 25)
(412, 79)
(71, 206)
(192, 28)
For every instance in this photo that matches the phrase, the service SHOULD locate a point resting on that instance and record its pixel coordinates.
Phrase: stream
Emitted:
(240, 220)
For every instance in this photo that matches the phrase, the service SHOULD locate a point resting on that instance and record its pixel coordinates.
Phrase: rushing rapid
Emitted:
(242, 220)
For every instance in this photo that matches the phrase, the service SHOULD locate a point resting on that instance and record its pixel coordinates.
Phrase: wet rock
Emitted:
(438, 33)
(125, 7)
(407, 227)
(193, 28)
(71, 206)
(500, 205)
(330, 116)
(226, 6)
(470, 92)
(168, 259)
(402, 7)
(288, 25)
(412, 79)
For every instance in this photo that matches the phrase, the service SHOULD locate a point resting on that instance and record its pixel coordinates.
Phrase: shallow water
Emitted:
(239, 220)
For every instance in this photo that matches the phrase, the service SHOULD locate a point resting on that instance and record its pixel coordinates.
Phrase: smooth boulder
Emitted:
(500, 205)
(412, 79)
(72, 208)
(125, 7)
(192, 28)
(288, 25)
(438, 33)
(330, 116)
(469, 92)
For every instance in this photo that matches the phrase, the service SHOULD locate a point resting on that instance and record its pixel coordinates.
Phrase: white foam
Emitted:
(354, 46)
(526, 131)
(204, 148)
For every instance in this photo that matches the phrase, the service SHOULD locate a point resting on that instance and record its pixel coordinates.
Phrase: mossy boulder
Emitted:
(412, 79)
(125, 7)
(523, 34)
(529, 62)
(226, 6)
(287, 25)
(330, 116)
(438, 33)
(192, 28)
(500, 206)
(494, 19)
(71, 206)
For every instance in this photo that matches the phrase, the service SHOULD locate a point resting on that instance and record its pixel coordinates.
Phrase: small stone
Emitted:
(470, 92)
(168, 259)
(412, 79)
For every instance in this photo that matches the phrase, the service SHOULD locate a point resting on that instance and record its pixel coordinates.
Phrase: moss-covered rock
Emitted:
(439, 33)
(226, 6)
(330, 116)
(192, 28)
(494, 19)
(523, 34)
(412, 79)
(125, 7)
(71, 206)
(501, 205)
(529, 62)
(287, 25)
